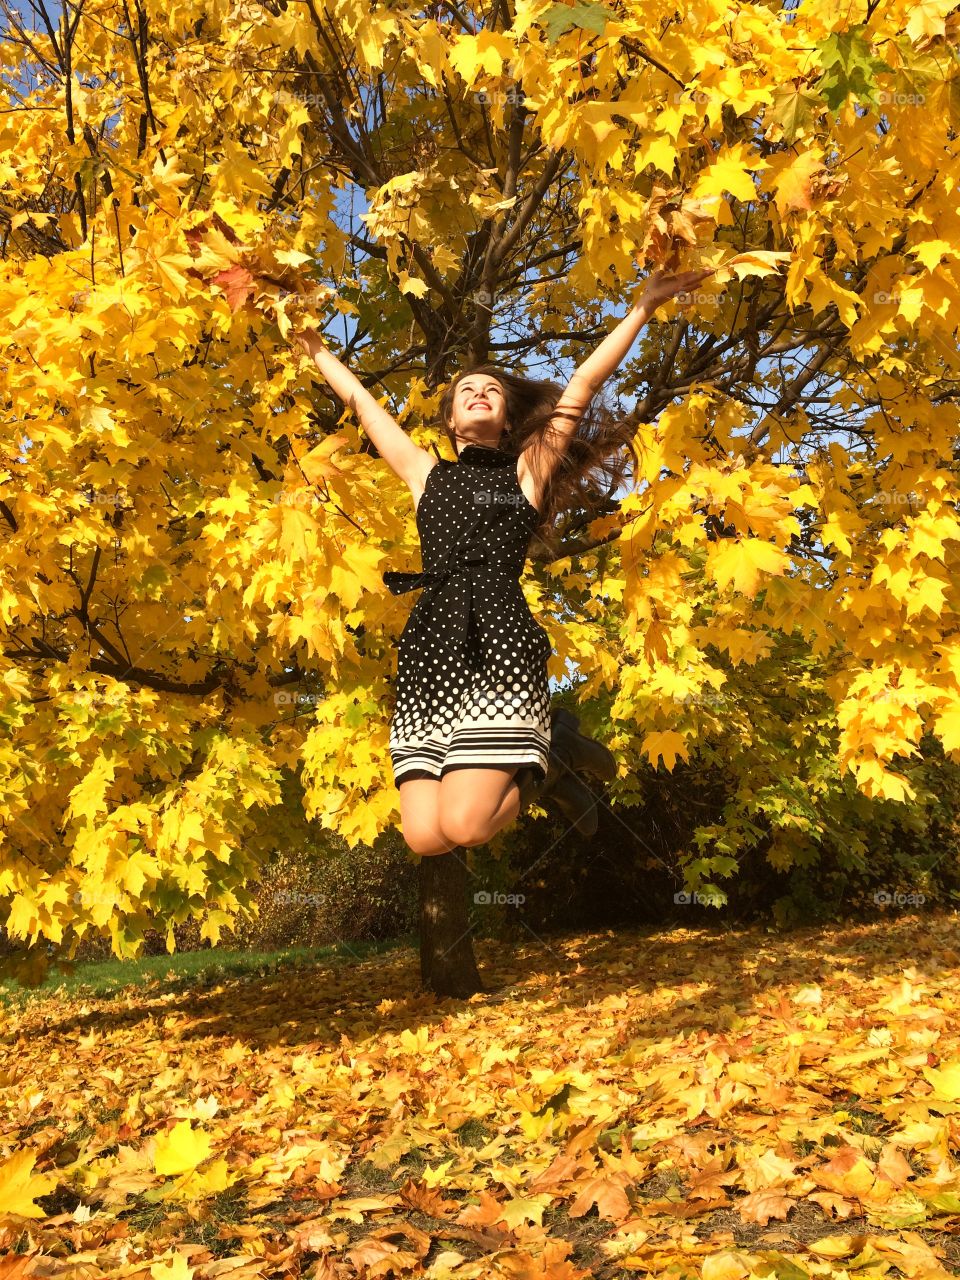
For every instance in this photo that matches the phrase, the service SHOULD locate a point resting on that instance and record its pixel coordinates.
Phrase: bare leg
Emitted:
(476, 802)
(420, 817)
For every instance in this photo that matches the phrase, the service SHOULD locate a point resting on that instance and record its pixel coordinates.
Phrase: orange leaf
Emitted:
(607, 1193)
(238, 284)
(761, 1206)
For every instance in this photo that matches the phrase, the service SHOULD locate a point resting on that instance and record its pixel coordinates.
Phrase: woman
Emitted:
(472, 740)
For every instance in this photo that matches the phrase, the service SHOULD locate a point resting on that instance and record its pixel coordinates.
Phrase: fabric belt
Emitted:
(462, 563)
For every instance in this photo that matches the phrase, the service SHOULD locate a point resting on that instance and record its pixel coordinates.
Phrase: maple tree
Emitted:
(195, 533)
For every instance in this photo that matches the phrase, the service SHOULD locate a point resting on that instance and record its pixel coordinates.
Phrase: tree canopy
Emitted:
(195, 529)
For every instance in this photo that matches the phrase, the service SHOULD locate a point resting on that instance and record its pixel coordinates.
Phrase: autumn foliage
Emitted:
(195, 532)
(700, 1104)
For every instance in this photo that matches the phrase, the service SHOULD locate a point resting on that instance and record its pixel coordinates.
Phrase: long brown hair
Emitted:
(591, 468)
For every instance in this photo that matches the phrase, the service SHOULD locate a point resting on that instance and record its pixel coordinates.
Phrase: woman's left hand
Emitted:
(662, 287)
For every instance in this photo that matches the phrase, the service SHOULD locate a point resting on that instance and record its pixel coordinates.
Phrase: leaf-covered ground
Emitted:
(693, 1103)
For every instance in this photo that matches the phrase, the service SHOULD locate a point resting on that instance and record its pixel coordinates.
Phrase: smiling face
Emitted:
(479, 414)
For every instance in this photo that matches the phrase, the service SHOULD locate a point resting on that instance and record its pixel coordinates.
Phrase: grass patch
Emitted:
(96, 979)
(473, 1134)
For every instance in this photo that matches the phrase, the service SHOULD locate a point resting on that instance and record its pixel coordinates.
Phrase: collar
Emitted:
(484, 455)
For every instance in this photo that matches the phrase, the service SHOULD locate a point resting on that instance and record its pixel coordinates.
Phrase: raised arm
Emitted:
(407, 459)
(600, 364)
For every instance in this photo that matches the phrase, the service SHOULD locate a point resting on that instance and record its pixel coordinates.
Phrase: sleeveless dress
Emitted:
(472, 687)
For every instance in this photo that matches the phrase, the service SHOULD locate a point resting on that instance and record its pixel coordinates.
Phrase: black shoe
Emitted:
(579, 752)
(560, 791)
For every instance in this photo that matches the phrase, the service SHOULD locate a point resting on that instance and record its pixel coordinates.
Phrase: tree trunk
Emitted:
(447, 964)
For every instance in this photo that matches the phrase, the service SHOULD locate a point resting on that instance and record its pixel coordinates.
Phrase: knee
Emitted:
(426, 843)
(465, 828)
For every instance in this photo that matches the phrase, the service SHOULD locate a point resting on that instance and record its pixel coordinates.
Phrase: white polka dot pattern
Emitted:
(472, 687)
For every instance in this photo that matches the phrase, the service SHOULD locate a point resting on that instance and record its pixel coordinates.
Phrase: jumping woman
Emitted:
(472, 738)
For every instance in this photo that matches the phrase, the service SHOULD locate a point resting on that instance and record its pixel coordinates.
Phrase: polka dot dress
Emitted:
(472, 685)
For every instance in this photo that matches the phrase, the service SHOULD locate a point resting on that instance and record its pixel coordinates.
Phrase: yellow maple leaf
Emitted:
(180, 1149)
(486, 52)
(412, 284)
(930, 252)
(657, 150)
(947, 727)
(730, 172)
(523, 1209)
(201, 1183)
(727, 1266)
(945, 1081)
(757, 263)
(373, 34)
(174, 1268)
(88, 797)
(741, 561)
(666, 745)
(19, 1187)
(298, 534)
(317, 464)
(927, 20)
(836, 1246)
(791, 184)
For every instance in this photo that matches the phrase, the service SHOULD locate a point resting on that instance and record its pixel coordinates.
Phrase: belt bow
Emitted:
(460, 563)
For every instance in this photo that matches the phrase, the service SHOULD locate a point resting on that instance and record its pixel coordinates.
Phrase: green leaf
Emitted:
(945, 1201)
(560, 17)
(849, 68)
(793, 110)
